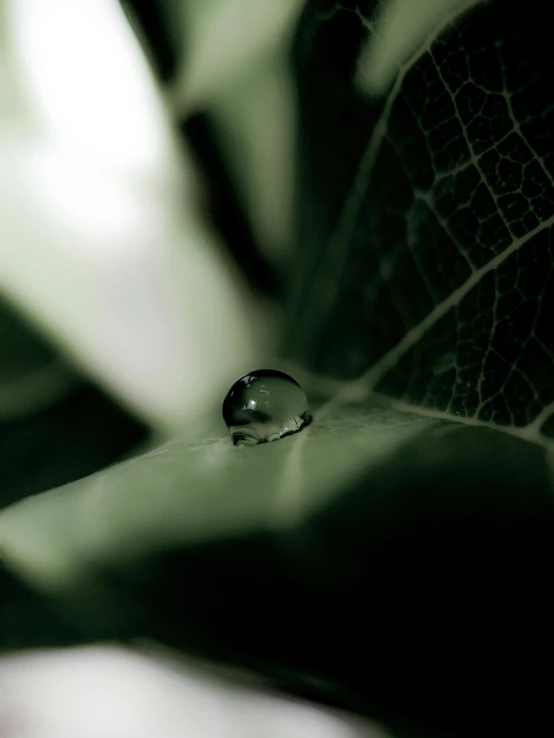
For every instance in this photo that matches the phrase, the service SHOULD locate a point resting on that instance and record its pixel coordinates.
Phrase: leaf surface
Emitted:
(432, 264)
(392, 558)
(335, 564)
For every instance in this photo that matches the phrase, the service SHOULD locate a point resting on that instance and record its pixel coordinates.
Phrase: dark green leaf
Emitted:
(385, 561)
(426, 216)
(401, 592)
(54, 425)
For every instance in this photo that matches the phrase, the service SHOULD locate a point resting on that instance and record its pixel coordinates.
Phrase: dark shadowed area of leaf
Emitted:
(159, 23)
(382, 561)
(417, 593)
(429, 213)
(55, 425)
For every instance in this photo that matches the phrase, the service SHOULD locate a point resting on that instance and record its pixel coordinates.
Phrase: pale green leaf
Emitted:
(400, 28)
(102, 246)
(187, 492)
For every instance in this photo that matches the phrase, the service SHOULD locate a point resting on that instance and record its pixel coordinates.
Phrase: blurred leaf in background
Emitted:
(140, 694)
(379, 181)
(121, 259)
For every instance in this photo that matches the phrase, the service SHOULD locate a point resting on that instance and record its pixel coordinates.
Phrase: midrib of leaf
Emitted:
(528, 432)
(287, 508)
(289, 505)
(342, 393)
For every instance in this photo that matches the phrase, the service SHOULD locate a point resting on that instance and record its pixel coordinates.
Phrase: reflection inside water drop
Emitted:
(263, 406)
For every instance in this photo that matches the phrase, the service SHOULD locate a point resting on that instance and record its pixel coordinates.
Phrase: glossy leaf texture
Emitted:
(426, 215)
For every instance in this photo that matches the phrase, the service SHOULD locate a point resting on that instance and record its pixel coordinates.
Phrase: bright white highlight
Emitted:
(100, 243)
(89, 84)
(116, 693)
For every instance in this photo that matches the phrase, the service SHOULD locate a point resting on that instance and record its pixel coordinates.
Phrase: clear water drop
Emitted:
(264, 406)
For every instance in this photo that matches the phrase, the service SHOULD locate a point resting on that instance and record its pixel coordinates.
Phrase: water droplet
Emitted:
(264, 406)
